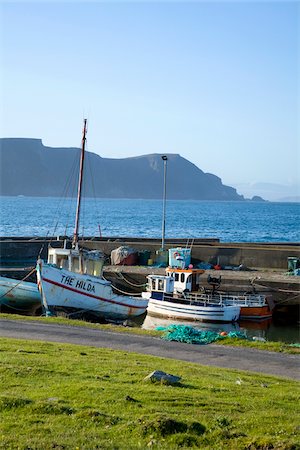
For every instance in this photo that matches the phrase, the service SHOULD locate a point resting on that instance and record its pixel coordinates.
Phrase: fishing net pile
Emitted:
(191, 335)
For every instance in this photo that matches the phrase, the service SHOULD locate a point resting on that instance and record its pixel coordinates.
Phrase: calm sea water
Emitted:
(228, 221)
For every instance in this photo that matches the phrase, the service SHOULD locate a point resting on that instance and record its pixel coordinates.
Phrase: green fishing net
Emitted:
(191, 335)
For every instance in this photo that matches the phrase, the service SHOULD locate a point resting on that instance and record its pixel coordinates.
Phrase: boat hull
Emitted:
(19, 297)
(85, 294)
(255, 312)
(252, 306)
(201, 313)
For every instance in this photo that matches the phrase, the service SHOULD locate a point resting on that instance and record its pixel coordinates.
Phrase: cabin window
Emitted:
(189, 279)
(75, 264)
(176, 276)
(89, 267)
(160, 285)
(97, 268)
(182, 277)
(62, 263)
(153, 285)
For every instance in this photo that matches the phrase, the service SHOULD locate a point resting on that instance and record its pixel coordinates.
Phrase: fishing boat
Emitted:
(72, 279)
(171, 296)
(19, 297)
(254, 306)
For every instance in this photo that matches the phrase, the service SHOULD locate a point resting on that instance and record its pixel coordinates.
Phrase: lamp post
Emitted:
(165, 159)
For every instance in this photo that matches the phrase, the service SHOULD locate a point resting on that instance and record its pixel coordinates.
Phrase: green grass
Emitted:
(59, 396)
(82, 323)
(268, 345)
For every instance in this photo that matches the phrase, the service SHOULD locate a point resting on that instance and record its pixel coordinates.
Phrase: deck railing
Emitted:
(226, 299)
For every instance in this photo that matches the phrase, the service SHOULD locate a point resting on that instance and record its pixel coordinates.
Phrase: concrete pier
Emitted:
(267, 255)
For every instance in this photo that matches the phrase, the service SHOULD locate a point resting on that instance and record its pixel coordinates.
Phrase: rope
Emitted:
(92, 178)
(69, 187)
(119, 290)
(287, 300)
(126, 293)
(28, 275)
(192, 244)
(289, 291)
(75, 313)
(14, 308)
(120, 275)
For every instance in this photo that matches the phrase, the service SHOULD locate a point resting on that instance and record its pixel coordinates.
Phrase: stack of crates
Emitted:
(179, 257)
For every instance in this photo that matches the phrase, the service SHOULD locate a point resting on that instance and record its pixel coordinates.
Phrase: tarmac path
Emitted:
(241, 358)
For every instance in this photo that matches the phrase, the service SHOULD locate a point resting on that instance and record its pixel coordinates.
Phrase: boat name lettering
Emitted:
(81, 284)
(67, 280)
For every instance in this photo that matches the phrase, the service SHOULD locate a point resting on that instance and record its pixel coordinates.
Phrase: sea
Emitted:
(186, 219)
(245, 221)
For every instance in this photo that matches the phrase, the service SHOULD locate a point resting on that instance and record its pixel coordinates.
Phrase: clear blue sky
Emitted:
(216, 82)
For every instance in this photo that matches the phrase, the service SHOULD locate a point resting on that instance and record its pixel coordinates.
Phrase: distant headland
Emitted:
(31, 169)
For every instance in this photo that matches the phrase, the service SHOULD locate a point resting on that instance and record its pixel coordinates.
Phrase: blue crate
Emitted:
(179, 257)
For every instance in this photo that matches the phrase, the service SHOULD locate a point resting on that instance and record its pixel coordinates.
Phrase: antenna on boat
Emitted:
(76, 230)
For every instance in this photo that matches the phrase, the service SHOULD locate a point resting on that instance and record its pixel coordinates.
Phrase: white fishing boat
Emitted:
(72, 279)
(170, 296)
(253, 305)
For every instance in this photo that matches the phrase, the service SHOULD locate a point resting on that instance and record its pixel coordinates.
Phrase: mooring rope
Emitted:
(14, 308)
(126, 293)
(27, 276)
(119, 290)
(120, 275)
(289, 299)
(288, 291)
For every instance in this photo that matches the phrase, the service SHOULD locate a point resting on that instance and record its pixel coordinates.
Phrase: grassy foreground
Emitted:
(59, 396)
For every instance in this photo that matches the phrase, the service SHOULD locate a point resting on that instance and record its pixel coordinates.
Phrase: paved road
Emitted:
(209, 355)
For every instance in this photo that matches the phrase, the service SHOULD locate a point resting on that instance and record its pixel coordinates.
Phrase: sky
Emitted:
(216, 82)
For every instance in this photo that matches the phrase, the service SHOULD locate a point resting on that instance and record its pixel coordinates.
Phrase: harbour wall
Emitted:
(24, 251)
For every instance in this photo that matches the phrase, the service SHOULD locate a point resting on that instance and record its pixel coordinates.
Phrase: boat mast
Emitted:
(76, 230)
(165, 159)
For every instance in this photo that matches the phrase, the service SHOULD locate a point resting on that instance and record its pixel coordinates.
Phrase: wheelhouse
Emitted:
(159, 285)
(77, 260)
(185, 280)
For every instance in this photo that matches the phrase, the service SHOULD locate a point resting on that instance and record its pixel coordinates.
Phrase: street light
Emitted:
(165, 159)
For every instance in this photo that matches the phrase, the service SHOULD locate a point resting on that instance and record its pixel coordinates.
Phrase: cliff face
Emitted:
(31, 169)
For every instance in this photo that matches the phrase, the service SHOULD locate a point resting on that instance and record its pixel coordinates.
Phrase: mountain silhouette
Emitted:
(31, 169)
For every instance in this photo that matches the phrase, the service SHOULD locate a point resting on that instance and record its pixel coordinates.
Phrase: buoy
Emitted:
(223, 333)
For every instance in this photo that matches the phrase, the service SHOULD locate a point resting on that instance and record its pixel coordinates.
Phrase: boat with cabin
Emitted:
(171, 296)
(180, 295)
(254, 306)
(72, 282)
